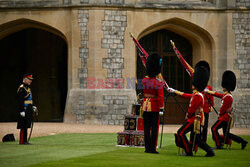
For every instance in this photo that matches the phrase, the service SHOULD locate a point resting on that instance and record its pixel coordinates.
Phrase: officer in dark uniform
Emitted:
(26, 108)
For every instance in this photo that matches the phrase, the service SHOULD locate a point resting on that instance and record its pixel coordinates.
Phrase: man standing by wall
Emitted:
(25, 111)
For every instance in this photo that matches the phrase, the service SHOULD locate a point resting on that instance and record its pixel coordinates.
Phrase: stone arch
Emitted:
(202, 42)
(31, 46)
(21, 24)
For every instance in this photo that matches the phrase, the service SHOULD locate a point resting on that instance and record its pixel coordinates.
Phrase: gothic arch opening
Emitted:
(193, 42)
(29, 46)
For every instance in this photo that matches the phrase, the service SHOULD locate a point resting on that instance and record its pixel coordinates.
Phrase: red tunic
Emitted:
(226, 105)
(187, 95)
(196, 103)
(207, 96)
(154, 88)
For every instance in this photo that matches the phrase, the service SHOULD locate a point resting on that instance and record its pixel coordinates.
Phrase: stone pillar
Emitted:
(241, 26)
(101, 97)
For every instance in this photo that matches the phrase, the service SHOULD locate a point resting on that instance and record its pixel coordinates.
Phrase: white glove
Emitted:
(161, 113)
(171, 90)
(34, 108)
(22, 114)
(206, 90)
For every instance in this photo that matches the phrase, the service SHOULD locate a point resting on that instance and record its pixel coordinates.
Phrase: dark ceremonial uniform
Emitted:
(25, 105)
(223, 120)
(209, 100)
(153, 101)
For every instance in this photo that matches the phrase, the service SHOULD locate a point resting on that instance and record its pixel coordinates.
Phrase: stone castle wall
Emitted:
(241, 27)
(101, 49)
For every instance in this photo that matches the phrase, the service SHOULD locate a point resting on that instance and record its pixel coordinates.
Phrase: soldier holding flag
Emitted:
(195, 113)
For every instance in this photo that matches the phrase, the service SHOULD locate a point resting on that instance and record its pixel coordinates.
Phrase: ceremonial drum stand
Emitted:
(133, 134)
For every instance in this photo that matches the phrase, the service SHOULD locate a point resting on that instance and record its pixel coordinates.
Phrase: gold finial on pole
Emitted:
(172, 43)
(131, 35)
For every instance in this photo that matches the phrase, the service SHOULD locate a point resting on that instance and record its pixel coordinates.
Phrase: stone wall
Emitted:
(243, 3)
(241, 26)
(114, 26)
(95, 102)
(83, 18)
(108, 55)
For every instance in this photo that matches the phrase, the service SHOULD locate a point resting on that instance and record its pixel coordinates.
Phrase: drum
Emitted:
(133, 122)
(137, 138)
(124, 138)
(120, 138)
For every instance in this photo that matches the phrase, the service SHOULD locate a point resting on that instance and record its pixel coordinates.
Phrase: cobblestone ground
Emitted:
(45, 129)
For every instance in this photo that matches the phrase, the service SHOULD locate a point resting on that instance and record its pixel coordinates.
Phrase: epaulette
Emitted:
(21, 86)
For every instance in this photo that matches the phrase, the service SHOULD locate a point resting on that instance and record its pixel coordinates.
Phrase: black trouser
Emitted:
(205, 127)
(151, 126)
(189, 127)
(23, 135)
(224, 125)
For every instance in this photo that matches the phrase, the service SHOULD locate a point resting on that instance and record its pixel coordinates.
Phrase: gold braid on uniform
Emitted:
(197, 127)
(27, 90)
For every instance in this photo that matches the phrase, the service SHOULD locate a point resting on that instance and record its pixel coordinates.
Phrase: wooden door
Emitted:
(172, 70)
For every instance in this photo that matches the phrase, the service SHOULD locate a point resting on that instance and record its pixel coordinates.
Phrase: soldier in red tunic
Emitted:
(195, 113)
(228, 83)
(209, 102)
(153, 102)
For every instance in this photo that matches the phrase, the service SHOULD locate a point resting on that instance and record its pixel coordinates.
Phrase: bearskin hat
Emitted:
(200, 78)
(228, 80)
(153, 65)
(203, 63)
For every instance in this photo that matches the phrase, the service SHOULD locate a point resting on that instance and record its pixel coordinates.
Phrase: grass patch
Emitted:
(100, 150)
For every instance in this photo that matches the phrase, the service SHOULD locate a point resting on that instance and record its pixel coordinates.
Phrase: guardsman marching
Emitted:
(225, 116)
(26, 108)
(208, 103)
(153, 102)
(194, 114)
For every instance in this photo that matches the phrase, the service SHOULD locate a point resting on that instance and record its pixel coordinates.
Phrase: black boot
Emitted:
(243, 144)
(210, 153)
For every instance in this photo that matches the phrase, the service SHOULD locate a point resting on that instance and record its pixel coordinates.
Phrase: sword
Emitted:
(35, 113)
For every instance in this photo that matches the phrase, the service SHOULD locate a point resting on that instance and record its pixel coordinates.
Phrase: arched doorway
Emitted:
(45, 55)
(172, 70)
(194, 43)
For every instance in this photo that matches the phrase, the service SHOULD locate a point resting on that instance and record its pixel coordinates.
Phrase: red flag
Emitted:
(144, 55)
(187, 67)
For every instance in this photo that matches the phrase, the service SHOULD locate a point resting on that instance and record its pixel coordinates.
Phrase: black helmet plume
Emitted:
(228, 80)
(153, 66)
